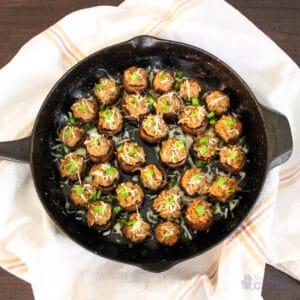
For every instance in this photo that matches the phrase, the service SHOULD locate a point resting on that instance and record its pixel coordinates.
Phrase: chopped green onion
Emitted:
(107, 114)
(95, 141)
(132, 222)
(204, 140)
(210, 115)
(170, 200)
(148, 173)
(162, 76)
(177, 85)
(172, 182)
(71, 121)
(195, 113)
(230, 192)
(167, 233)
(229, 122)
(233, 155)
(100, 86)
(151, 100)
(78, 189)
(199, 164)
(68, 132)
(109, 198)
(118, 241)
(179, 74)
(122, 222)
(213, 121)
(88, 126)
(72, 166)
(222, 181)
(132, 151)
(135, 76)
(203, 149)
(94, 197)
(180, 145)
(81, 106)
(98, 195)
(200, 210)
(195, 101)
(58, 147)
(110, 172)
(133, 101)
(102, 107)
(148, 122)
(196, 177)
(98, 209)
(120, 148)
(117, 209)
(123, 191)
(165, 106)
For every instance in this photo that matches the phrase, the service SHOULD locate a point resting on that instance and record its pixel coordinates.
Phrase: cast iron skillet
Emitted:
(268, 135)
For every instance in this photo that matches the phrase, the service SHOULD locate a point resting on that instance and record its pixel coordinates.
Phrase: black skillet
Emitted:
(268, 135)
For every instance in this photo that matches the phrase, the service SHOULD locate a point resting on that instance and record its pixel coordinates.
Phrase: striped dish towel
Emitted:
(30, 246)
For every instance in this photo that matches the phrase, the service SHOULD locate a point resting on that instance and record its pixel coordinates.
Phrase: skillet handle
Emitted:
(18, 150)
(279, 137)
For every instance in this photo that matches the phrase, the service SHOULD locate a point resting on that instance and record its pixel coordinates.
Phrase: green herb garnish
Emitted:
(148, 123)
(94, 197)
(131, 222)
(110, 171)
(118, 241)
(199, 164)
(204, 140)
(213, 121)
(210, 115)
(165, 106)
(200, 210)
(123, 191)
(195, 113)
(170, 200)
(107, 114)
(177, 85)
(71, 121)
(162, 76)
(95, 141)
(132, 151)
(120, 148)
(109, 198)
(203, 149)
(151, 101)
(100, 86)
(172, 182)
(72, 166)
(229, 122)
(167, 234)
(135, 76)
(117, 209)
(88, 126)
(122, 222)
(233, 155)
(81, 106)
(230, 192)
(222, 181)
(195, 101)
(179, 74)
(68, 132)
(196, 177)
(78, 189)
(133, 101)
(98, 209)
(148, 173)
(180, 145)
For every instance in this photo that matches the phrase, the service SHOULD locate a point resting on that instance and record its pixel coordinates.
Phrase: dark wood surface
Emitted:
(20, 20)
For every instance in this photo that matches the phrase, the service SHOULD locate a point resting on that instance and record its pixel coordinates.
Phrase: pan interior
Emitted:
(144, 52)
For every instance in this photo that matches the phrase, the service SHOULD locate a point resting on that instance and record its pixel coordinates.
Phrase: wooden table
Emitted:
(20, 20)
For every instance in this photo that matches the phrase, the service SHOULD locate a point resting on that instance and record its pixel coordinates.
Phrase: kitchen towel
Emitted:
(30, 245)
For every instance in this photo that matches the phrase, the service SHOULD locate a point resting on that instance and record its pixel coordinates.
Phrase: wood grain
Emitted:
(20, 20)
